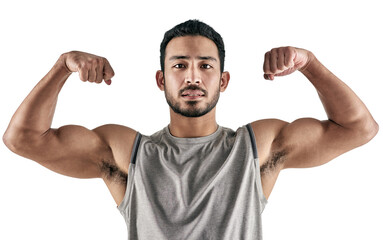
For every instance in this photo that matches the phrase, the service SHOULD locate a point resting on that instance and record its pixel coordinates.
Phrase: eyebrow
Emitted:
(188, 57)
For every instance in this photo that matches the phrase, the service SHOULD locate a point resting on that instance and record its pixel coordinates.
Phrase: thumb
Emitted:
(108, 82)
(108, 72)
(268, 76)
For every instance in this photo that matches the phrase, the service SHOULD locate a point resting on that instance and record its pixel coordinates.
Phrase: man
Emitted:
(193, 179)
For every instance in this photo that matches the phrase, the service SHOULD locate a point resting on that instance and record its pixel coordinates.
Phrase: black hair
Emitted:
(193, 28)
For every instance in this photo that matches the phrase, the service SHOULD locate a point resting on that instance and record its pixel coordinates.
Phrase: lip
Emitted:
(192, 97)
(192, 93)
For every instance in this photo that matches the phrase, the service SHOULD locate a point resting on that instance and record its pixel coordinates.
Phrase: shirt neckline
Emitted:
(195, 140)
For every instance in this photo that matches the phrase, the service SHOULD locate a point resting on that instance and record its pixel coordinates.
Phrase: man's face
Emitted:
(192, 81)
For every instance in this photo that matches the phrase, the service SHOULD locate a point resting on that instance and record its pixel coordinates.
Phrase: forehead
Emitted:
(191, 46)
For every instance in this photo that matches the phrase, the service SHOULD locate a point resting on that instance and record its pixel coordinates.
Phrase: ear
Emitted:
(160, 80)
(225, 78)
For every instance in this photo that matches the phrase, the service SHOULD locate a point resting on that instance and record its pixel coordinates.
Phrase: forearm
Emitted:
(34, 115)
(341, 104)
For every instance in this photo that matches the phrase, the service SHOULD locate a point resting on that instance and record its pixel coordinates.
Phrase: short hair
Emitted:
(193, 28)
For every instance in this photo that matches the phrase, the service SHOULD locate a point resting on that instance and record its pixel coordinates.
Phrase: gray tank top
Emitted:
(194, 188)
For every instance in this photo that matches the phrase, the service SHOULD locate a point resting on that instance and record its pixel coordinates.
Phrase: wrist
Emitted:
(61, 63)
(59, 71)
(310, 62)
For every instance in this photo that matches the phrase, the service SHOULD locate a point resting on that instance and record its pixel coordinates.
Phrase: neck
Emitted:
(187, 127)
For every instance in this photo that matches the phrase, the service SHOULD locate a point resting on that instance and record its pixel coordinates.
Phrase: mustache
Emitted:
(193, 87)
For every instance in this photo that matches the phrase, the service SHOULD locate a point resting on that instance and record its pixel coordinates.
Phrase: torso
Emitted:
(121, 140)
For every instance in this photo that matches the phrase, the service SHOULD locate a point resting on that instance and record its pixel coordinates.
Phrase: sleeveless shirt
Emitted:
(201, 188)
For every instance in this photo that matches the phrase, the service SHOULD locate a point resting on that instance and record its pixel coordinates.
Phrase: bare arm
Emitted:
(70, 150)
(310, 142)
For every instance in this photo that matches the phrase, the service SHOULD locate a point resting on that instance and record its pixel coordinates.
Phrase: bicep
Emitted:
(73, 151)
(309, 142)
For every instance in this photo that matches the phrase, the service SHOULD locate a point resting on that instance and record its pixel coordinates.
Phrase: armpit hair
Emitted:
(111, 172)
(274, 161)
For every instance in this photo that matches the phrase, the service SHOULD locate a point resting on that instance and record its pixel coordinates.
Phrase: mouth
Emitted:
(192, 94)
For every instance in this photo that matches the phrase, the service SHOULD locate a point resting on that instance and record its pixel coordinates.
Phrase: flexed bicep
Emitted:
(70, 150)
(308, 142)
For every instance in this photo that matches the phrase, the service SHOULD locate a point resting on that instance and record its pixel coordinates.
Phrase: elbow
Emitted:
(374, 130)
(19, 141)
(8, 141)
(368, 131)
(12, 140)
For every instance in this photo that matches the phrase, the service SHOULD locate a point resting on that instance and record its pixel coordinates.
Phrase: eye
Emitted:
(206, 66)
(179, 65)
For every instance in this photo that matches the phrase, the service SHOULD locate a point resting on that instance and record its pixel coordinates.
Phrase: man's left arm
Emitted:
(309, 142)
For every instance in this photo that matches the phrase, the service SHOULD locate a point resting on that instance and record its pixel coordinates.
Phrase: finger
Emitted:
(266, 63)
(268, 76)
(92, 74)
(99, 74)
(83, 74)
(280, 59)
(108, 72)
(108, 82)
(289, 57)
(273, 61)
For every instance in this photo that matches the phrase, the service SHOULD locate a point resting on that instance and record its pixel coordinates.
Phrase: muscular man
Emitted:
(193, 179)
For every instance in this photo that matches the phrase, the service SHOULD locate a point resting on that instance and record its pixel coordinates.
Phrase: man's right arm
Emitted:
(70, 150)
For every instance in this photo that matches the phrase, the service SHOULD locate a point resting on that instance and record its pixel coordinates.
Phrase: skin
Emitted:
(181, 73)
(102, 153)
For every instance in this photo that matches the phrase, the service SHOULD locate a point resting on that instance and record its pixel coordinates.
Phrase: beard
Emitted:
(192, 110)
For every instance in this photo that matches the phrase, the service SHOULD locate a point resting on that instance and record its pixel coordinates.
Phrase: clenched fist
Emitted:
(285, 60)
(90, 67)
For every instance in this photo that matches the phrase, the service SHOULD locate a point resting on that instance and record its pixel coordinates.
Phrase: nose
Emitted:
(192, 77)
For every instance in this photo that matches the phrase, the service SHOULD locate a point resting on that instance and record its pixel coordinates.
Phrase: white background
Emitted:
(340, 200)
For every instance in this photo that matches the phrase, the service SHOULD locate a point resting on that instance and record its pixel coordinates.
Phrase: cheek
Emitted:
(173, 82)
(212, 81)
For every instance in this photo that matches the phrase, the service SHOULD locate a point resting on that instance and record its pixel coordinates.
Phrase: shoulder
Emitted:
(120, 139)
(114, 133)
(267, 132)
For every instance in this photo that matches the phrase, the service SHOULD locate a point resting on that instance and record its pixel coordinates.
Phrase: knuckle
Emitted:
(79, 64)
(72, 53)
(83, 64)
(290, 51)
(94, 61)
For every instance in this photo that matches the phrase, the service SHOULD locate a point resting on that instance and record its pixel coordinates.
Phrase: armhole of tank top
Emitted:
(262, 199)
(131, 171)
(135, 148)
(252, 138)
